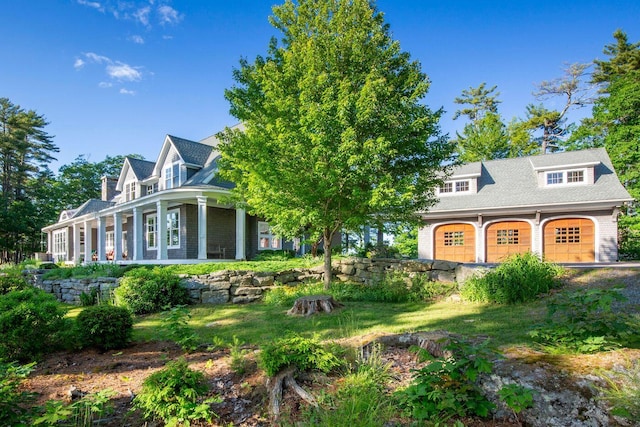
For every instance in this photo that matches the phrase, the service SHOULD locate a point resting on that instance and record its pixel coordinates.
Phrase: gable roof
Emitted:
(193, 153)
(142, 169)
(513, 183)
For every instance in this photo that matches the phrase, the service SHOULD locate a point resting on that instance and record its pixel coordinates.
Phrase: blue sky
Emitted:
(115, 76)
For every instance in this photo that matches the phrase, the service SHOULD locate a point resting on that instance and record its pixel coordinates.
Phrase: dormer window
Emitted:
(172, 176)
(565, 177)
(153, 188)
(460, 186)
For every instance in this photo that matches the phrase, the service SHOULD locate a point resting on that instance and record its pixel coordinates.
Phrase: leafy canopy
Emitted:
(335, 134)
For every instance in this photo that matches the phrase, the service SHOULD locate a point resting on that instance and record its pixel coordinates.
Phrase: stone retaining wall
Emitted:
(241, 286)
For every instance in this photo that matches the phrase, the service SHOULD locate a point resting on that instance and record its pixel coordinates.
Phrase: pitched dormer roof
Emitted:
(192, 153)
(513, 183)
(142, 169)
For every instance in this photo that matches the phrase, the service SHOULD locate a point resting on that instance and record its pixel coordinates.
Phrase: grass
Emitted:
(258, 323)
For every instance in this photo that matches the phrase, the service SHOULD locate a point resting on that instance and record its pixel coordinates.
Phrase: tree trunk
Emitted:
(312, 304)
(327, 237)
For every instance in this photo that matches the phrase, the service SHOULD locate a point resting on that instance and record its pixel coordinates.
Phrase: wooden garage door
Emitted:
(456, 242)
(569, 240)
(506, 238)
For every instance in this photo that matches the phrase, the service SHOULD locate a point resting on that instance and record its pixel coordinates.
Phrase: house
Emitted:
(563, 206)
(179, 196)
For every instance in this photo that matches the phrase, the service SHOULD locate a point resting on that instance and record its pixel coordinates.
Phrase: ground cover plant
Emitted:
(242, 331)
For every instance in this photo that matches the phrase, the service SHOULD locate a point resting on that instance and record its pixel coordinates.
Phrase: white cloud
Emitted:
(104, 85)
(123, 72)
(167, 37)
(168, 15)
(142, 15)
(137, 39)
(98, 59)
(92, 4)
(79, 63)
(127, 91)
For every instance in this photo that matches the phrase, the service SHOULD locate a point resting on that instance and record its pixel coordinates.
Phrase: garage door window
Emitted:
(508, 237)
(454, 238)
(567, 234)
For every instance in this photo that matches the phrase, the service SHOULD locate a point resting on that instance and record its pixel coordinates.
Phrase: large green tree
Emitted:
(336, 134)
(25, 151)
(80, 180)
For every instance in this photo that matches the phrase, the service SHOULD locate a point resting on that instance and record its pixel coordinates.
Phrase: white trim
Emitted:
(173, 229)
(454, 187)
(564, 173)
(582, 165)
(59, 244)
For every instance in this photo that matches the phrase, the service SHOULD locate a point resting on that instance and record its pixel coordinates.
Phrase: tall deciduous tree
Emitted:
(335, 132)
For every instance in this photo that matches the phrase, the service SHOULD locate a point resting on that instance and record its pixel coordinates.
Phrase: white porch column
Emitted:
(240, 234)
(88, 241)
(117, 236)
(138, 234)
(202, 227)
(161, 219)
(102, 237)
(76, 243)
(49, 244)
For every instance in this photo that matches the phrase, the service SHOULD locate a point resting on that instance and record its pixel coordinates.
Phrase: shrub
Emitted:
(31, 323)
(275, 255)
(14, 401)
(583, 321)
(521, 278)
(149, 291)
(105, 326)
(294, 350)
(12, 282)
(91, 298)
(176, 322)
(447, 386)
(172, 394)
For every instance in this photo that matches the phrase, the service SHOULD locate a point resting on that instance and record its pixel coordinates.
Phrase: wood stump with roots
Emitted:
(435, 342)
(312, 304)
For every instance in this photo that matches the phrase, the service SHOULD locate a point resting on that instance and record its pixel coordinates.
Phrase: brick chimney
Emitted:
(108, 187)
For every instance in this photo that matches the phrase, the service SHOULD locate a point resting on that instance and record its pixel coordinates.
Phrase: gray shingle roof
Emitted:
(512, 183)
(192, 153)
(91, 206)
(141, 168)
(208, 175)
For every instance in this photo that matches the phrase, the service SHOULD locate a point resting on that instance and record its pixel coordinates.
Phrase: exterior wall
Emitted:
(221, 230)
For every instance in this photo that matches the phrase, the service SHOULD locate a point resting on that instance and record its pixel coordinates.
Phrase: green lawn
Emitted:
(260, 323)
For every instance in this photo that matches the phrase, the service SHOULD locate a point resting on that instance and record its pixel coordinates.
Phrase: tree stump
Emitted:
(312, 304)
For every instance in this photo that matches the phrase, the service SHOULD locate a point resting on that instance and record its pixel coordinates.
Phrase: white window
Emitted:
(152, 232)
(129, 191)
(109, 242)
(172, 176)
(153, 188)
(576, 176)
(460, 186)
(266, 238)
(173, 229)
(59, 250)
